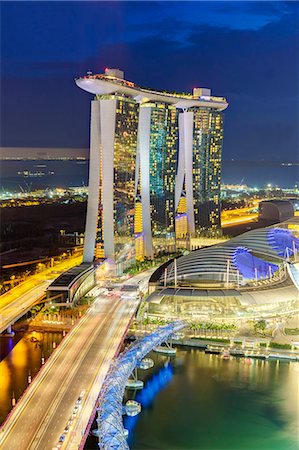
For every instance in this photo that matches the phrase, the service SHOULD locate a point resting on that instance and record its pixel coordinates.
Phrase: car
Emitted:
(80, 398)
(62, 437)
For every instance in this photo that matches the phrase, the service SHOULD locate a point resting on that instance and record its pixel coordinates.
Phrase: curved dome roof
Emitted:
(246, 257)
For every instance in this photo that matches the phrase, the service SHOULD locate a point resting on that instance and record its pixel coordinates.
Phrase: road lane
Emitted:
(11, 312)
(40, 417)
(79, 363)
(14, 303)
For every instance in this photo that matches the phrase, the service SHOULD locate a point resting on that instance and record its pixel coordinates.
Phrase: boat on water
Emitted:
(283, 357)
(257, 355)
(225, 354)
(236, 352)
(213, 350)
(165, 349)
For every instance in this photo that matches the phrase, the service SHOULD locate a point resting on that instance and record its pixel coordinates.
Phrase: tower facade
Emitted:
(111, 200)
(199, 170)
(155, 161)
(158, 158)
(207, 150)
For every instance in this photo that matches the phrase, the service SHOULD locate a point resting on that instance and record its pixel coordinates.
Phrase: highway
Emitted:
(14, 310)
(14, 303)
(78, 365)
(238, 216)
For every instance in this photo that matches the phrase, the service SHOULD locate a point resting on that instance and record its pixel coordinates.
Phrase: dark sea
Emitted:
(199, 401)
(202, 402)
(16, 175)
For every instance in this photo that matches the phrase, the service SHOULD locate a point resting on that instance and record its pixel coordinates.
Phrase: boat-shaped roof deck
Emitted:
(102, 84)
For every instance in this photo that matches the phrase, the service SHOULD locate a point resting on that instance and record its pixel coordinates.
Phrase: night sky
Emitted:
(245, 51)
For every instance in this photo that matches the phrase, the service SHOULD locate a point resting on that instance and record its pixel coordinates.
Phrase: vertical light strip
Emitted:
(143, 149)
(107, 117)
(179, 179)
(186, 152)
(94, 183)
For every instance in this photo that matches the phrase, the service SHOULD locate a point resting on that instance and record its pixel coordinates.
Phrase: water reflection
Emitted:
(146, 396)
(23, 360)
(212, 403)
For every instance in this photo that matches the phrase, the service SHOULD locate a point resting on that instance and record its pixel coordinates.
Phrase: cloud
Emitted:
(246, 51)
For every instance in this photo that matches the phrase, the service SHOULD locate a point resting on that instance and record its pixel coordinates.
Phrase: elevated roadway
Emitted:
(238, 216)
(16, 302)
(79, 364)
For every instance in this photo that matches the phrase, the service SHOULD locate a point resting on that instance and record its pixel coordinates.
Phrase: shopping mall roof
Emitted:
(255, 255)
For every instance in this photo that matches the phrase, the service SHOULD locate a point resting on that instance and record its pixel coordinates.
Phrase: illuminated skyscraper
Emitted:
(158, 156)
(153, 155)
(207, 149)
(199, 167)
(111, 201)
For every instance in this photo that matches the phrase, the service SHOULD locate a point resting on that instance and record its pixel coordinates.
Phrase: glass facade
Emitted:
(125, 145)
(207, 150)
(124, 166)
(163, 160)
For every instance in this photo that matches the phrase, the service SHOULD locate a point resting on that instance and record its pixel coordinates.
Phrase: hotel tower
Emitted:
(155, 166)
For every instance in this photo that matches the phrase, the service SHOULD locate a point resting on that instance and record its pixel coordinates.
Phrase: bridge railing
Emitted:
(110, 423)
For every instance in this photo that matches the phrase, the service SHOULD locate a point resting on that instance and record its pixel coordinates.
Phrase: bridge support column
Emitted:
(167, 349)
(9, 331)
(134, 383)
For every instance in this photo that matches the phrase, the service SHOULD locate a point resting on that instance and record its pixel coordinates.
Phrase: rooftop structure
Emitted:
(73, 284)
(247, 259)
(275, 210)
(112, 81)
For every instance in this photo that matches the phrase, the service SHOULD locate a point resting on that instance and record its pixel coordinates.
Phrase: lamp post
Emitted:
(227, 273)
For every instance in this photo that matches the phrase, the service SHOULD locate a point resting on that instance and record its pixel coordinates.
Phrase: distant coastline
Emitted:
(42, 153)
(69, 167)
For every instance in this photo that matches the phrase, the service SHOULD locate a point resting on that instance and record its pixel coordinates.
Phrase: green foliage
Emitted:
(260, 326)
(213, 326)
(225, 341)
(263, 344)
(152, 321)
(291, 331)
(36, 309)
(149, 263)
(50, 309)
(86, 300)
(283, 346)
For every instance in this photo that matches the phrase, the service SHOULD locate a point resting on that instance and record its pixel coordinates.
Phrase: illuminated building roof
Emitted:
(255, 255)
(111, 83)
(65, 280)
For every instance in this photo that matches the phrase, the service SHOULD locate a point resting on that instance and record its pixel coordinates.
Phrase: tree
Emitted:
(260, 326)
